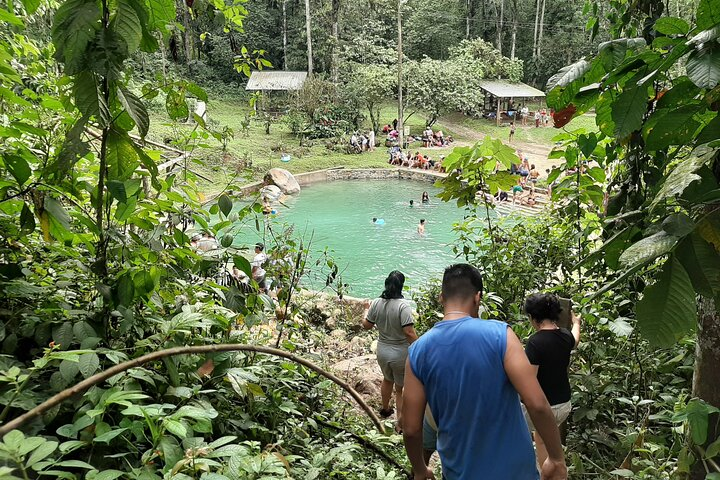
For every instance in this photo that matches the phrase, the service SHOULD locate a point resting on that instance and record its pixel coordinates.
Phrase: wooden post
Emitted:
(497, 116)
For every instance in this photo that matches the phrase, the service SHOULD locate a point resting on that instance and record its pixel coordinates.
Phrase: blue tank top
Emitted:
(481, 429)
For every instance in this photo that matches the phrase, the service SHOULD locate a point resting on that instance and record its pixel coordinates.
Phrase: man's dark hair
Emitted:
(543, 306)
(393, 285)
(461, 281)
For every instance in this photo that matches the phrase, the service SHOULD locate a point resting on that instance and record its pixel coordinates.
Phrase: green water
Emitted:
(339, 214)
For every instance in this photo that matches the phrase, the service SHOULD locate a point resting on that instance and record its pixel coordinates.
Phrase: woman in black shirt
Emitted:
(548, 350)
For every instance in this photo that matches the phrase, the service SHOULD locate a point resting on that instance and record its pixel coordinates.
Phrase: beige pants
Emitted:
(561, 411)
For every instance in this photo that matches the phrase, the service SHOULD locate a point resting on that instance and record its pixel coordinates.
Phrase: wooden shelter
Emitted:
(276, 80)
(500, 93)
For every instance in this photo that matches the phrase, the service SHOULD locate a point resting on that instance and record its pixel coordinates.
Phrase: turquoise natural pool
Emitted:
(340, 215)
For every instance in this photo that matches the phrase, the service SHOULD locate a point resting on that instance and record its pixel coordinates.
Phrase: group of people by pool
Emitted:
(467, 388)
(528, 176)
(425, 199)
(423, 162)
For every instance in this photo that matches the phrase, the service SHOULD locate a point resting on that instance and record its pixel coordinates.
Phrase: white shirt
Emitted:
(258, 261)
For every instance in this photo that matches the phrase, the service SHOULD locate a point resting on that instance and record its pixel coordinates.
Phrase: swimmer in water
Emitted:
(412, 202)
(425, 197)
(378, 221)
(421, 227)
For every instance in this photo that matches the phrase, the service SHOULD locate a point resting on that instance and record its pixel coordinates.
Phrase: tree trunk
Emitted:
(284, 33)
(706, 379)
(513, 41)
(540, 27)
(535, 32)
(500, 26)
(308, 31)
(374, 118)
(401, 129)
(334, 67)
(469, 12)
(187, 36)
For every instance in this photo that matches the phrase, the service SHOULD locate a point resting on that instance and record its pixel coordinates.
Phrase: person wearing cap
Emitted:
(258, 272)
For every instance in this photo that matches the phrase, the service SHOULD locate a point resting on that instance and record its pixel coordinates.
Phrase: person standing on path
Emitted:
(473, 374)
(258, 272)
(393, 317)
(548, 350)
(512, 132)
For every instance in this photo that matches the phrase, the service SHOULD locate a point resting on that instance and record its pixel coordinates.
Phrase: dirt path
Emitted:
(537, 154)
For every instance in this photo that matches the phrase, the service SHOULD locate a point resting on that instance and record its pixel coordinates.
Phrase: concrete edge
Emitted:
(343, 173)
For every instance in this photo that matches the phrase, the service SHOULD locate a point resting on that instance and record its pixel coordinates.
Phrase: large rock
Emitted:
(283, 180)
(271, 193)
(362, 373)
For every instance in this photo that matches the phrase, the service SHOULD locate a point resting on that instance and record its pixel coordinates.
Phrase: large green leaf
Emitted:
(603, 113)
(703, 66)
(242, 264)
(18, 168)
(702, 262)
(648, 249)
(710, 132)
(88, 98)
(127, 25)
(31, 6)
(62, 335)
(136, 109)
(672, 26)
(76, 23)
(613, 52)
(162, 13)
(27, 219)
(568, 74)
(73, 148)
(122, 159)
(176, 105)
(671, 127)
(681, 177)
(88, 363)
(57, 212)
(708, 13)
(667, 312)
(225, 204)
(628, 110)
(10, 18)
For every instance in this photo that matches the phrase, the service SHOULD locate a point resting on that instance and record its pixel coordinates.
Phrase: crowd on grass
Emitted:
(468, 389)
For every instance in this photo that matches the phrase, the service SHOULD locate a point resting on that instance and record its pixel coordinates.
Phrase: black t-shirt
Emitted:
(550, 350)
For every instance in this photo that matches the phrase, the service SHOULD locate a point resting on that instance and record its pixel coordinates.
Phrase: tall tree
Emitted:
(499, 24)
(308, 33)
(335, 56)
(284, 35)
(535, 30)
(469, 17)
(513, 40)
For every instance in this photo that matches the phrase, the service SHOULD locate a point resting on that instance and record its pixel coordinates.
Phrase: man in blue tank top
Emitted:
(470, 372)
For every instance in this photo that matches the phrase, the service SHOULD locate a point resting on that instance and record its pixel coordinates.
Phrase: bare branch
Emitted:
(150, 357)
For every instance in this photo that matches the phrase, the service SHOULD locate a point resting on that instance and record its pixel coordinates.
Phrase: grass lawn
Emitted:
(264, 150)
(529, 134)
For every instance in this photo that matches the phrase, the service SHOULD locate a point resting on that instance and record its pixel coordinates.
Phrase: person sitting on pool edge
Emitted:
(421, 227)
